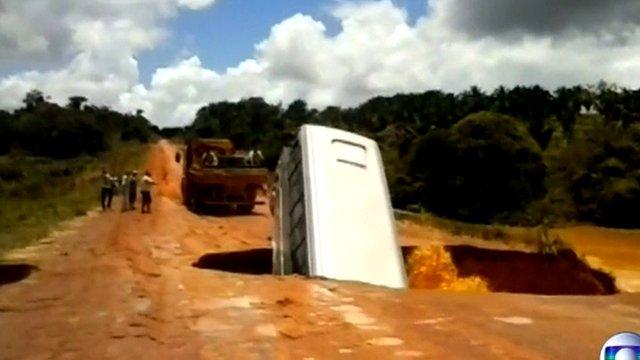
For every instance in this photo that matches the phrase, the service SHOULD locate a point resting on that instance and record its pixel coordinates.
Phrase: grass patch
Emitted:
(37, 193)
(530, 236)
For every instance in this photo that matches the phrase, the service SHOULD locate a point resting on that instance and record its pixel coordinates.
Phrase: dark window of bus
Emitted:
(296, 212)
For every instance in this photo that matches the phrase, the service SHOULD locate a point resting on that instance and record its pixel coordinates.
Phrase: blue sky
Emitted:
(225, 34)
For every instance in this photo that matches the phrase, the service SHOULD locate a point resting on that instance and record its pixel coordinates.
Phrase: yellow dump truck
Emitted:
(218, 175)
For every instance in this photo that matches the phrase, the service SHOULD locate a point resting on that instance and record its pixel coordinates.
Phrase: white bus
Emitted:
(333, 212)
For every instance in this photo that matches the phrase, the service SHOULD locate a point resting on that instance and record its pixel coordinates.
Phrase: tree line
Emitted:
(43, 128)
(521, 156)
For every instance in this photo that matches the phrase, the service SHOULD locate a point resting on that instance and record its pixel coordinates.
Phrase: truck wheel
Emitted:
(245, 209)
(191, 204)
(186, 194)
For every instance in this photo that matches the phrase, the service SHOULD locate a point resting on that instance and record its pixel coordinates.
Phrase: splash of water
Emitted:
(431, 267)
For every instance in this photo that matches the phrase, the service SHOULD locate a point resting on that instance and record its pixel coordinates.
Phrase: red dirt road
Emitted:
(122, 286)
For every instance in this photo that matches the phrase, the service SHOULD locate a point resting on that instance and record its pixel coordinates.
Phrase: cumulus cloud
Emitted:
(97, 42)
(195, 4)
(618, 18)
(377, 51)
(47, 31)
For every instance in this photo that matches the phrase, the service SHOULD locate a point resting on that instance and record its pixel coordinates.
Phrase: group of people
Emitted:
(254, 157)
(127, 186)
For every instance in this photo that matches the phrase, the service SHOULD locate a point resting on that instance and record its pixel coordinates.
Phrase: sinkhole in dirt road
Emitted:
(461, 268)
(11, 273)
(254, 261)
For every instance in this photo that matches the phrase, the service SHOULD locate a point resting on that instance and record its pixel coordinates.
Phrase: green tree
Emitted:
(33, 98)
(485, 165)
(568, 103)
(7, 132)
(75, 102)
(600, 170)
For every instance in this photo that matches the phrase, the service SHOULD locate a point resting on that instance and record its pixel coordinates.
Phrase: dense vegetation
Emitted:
(46, 129)
(517, 156)
(514, 156)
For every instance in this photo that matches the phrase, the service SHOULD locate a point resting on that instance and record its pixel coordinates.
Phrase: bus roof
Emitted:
(352, 233)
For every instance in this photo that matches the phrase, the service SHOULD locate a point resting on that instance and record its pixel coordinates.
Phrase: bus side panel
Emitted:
(292, 244)
(281, 263)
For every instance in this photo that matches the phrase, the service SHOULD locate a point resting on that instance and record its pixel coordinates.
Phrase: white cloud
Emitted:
(51, 30)
(98, 40)
(377, 52)
(176, 92)
(195, 4)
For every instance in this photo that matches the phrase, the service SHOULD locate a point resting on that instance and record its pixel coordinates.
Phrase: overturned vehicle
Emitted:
(332, 211)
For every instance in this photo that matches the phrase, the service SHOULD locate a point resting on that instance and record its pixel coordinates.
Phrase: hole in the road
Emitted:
(255, 261)
(459, 266)
(11, 273)
(462, 268)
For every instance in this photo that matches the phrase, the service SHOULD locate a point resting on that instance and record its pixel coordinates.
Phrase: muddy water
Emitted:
(474, 269)
(431, 267)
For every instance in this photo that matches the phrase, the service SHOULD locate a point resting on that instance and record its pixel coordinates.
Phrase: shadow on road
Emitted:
(255, 261)
(11, 273)
(221, 211)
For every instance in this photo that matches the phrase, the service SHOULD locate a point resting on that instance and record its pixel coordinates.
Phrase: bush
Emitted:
(136, 128)
(549, 244)
(46, 129)
(60, 137)
(11, 172)
(599, 170)
(484, 166)
(7, 132)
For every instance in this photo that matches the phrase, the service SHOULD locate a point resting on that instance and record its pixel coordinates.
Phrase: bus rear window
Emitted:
(349, 153)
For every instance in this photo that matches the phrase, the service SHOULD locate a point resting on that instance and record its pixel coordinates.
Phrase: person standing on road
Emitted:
(255, 157)
(106, 193)
(133, 189)
(115, 183)
(209, 159)
(124, 188)
(145, 190)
